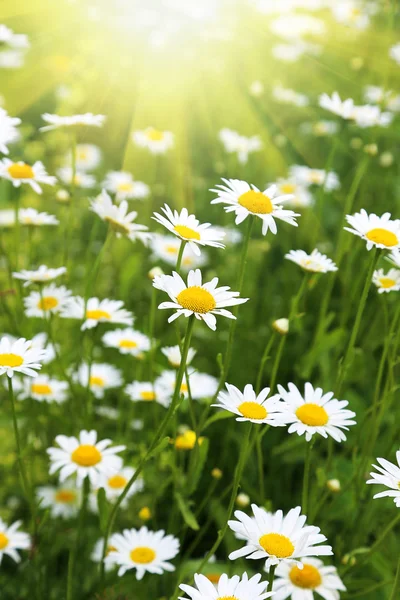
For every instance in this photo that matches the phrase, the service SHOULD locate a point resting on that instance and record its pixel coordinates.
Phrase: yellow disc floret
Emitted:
(97, 315)
(142, 555)
(47, 303)
(41, 389)
(312, 414)
(21, 171)
(3, 541)
(197, 299)
(252, 410)
(117, 482)
(307, 578)
(65, 496)
(256, 202)
(127, 344)
(187, 232)
(86, 455)
(276, 544)
(383, 237)
(10, 360)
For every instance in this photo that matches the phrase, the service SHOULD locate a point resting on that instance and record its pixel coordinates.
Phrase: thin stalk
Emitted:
(75, 549)
(24, 476)
(264, 359)
(180, 256)
(69, 221)
(306, 479)
(153, 309)
(260, 466)
(396, 585)
(271, 578)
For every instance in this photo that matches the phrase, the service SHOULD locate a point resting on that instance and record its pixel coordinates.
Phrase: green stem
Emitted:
(69, 221)
(260, 465)
(264, 359)
(306, 478)
(396, 585)
(24, 477)
(76, 547)
(17, 227)
(271, 578)
(94, 269)
(153, 310)
(180, 256)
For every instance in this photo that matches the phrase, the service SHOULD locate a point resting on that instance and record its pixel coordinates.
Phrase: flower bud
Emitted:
(216, 473)
(155, 272)
(242, 500)
(281, 326)
(333, 485)
(144, 513)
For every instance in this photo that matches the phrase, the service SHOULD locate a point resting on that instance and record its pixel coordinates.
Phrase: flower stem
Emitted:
(271, 578)
(306, 478)
(180, 256)
(69, 221)
(264, 360)
(24, 477)
(396, 585)
(75, 549)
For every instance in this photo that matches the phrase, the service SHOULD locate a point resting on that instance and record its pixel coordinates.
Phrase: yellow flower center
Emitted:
(110, 549)
(42, 389)
(227, 597)
(96, 315)
(148, 395)
(81, 154)
(3, 541)
(184, 388)
(116, 225)
(10, 360)
(65, 496)
(382, 236)
(96, 380)
(288, 188)
(142, 555)
(312, 414)
(86, 455)
(307, 578)
(256, 202)
(276, 544)
(125, 186)
(127, 344)
(197, 299)
(214, 577)
(21, 171)
(186, 441)
(315, 177)
(154, 135)
(252, 410)
(187, 232)
(387, 282)
(47, 303)
(171, 249)
(144, 513)
(117, 482)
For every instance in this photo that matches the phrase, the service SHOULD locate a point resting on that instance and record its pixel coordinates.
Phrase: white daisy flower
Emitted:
(394, 52)
(87, 119)
(81, 179)
(45, 389)
(252, 407)
(7, 218)
(127, 341)
(143, 550)
(42, 275)
(12, 540)
(19, 173)
(118, 217)
(277, 538)
(300, 584)
(285, 95)
(52, 300)
(241, 145)
(97, 552)
(32, 217)
(173, 354)
(115, 484)
(301, 195)
(371, 116)
(189, 229)
(97, 311)
(145, 391)
(320, 128)
(201, 384)
(102, 377)
(84, 456)
(19, 357)
(316, 412)
(166, 248)
(394, 258)
(87, 157)
(334, 104)
(239, 588)
(11, 59)
(314, 262)
(295, 25)
(125, 187)
(387, 282)
(381, 232)
(375, 94)
(158, 142)
(351, 13)
(11, 39)
(64, 500)
(389, 476)
(306, 176)
(244, 200)
(204, 301)
(8, 129)
(40, 341)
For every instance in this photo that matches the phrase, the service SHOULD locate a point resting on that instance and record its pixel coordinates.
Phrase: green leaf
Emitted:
(201, 457)
(159, 447)
(187, 514)
(103, 509)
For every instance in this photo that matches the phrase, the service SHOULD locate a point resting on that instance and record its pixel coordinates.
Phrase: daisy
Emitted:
(8, 129)
(87, 157)
(301, 195)
(342, 108)
(127, 341)
(7, 217)
(118, 218)
(63, 500)
(306, 176)
(42, 275)
(12, 540)
(40, 341)
(320, 128)
(125, 187)
(85, 457)
(20, 172)
(97, 553)
(389, 476)
(277, 538)
(300, 584)
(394, 258)
(45, 389)
(233, 142)
(143, 550)
(288, 96)
(102, 377)
(244, 200)
(144, 391)
(32, 217)
(115, 484)
(201, 384)
(19, 357)
(381, 232)
(11, 39)
(351, 13)
(166, 248)
(188, 228)
(88, 120)
(240, 588)
(387, 282)
(252, 407)
(371, 116)
(173, 354)
(316, 412)
(314, 262)
(394, 52)
(81, 179)
(187, 440)
(97, 311)
(158, 142)
(51, 300)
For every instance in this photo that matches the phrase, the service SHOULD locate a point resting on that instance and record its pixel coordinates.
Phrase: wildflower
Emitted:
(12, 540)
(97, 552)
(187, 440)
(389, 476)
(241, 145)
(173, 354)
(288, 96)
(342, 108)
(351, 13)
(97, 311)
(281, 326)
(42, 275)
(387, 282)
(51, 300)
(143, 550)
(87, 157)
(167, 247)
(158, 142)
(306, 176)
(314, 262)
(118, 218)
(316, 412)
(87, 119)
(144, 513)
(85, 457)
(381, 232)
(204, 301)
(301, 583)
(45, 389)
(333, 485)
(155, 272)
(80, 179)
(239, 588)
(301, 195)
(394, 52)
(32, 217)
(8, 129)
(144, 391)
(40, 341)
(127, 341)
(242, 500)
(62, 196)
(244, 200)
(63, 500)
(251, 407)
(19, 357)
(11, 39)
(115, 484)
(20, 172)
(125, 187)
(201, 384)
(216, 473)
(102, 377)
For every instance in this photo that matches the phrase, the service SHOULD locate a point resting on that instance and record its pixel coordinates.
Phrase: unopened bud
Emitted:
(216, 473)
(356, 143)
(242, 500)
(62, 196)
(333, 485)
(281, 326)
(386, 159)
(155, 272)
(145, 513)
(371, 149)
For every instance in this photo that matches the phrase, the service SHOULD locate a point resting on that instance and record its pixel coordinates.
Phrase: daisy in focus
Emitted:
(387, 282)
(87, 120)
(244, 200)
(20, 172)
(42, 275)
(100, 377)
(19, 357)
(127, 341)
(173, 354)
(189, 229)
(119, 219)
(240, 588)
(12, 540)
(31, 217)
(388, 475)
(241, 145)
(115, 485)
(143, 550)
(63, 500)
(51, 300)
(277, 538)
(300, 584)
(315, 412)
(314, 262)
(45, 389)
(381, 232)
(97, 311)
(125, 187)
(252, 407)
(85, 457)
(306, 176)
(158, 142)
